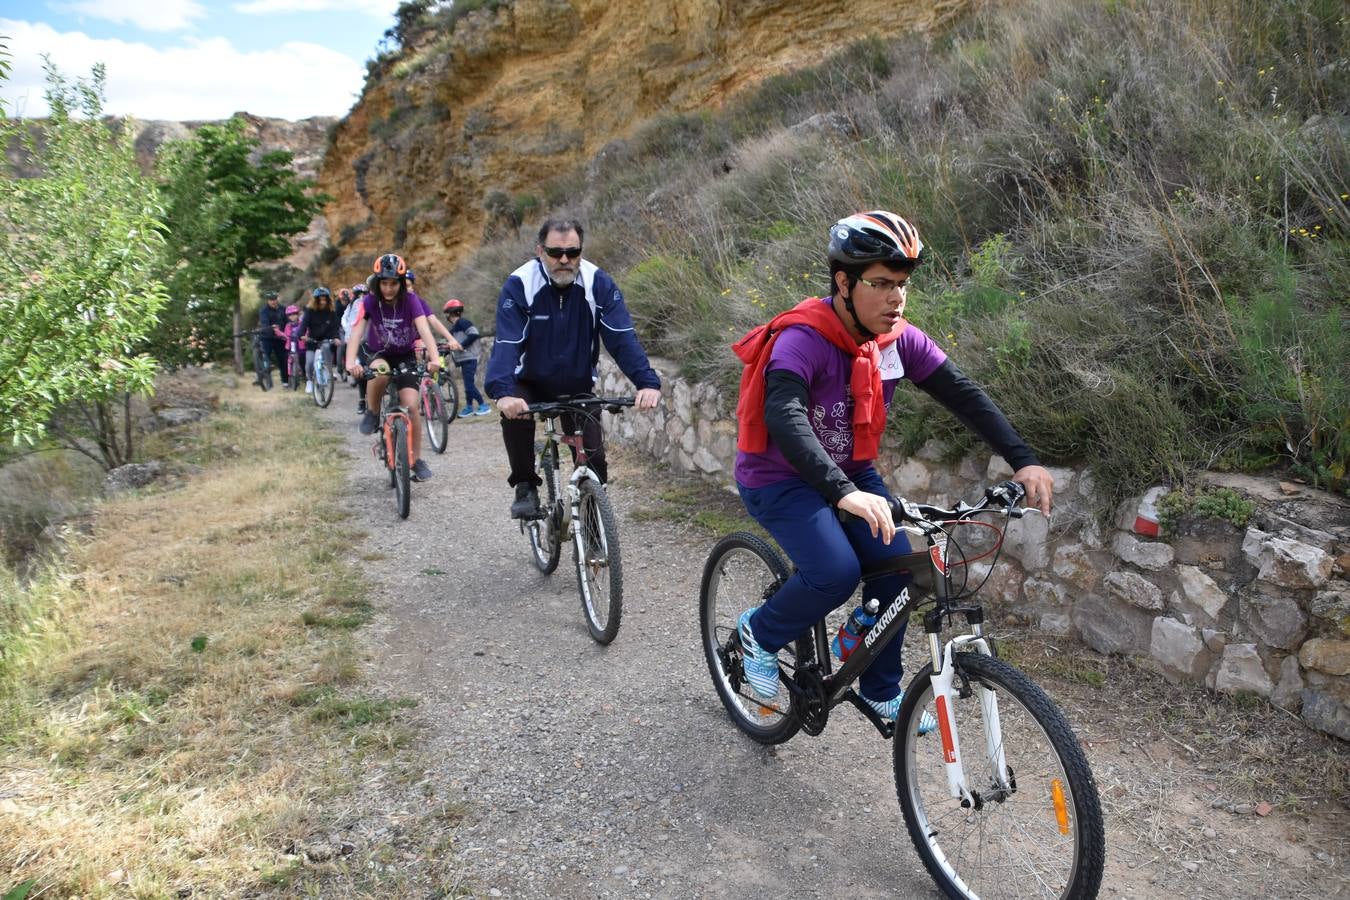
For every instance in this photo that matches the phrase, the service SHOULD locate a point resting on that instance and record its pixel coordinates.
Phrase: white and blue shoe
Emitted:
(889, 709)
(761, 666)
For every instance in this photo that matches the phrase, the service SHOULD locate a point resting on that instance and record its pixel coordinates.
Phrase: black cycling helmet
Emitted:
(321, 292)
(864, 238)
(391, 265)
(877, 236)
(269, 295)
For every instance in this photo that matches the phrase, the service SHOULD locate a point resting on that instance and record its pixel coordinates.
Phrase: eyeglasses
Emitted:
(885, 285)
(559, 252)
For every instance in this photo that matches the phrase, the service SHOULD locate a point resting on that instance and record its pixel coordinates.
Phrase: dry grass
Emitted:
(202, 718)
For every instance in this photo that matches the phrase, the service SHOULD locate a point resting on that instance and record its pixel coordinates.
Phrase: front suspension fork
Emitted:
(945, 692)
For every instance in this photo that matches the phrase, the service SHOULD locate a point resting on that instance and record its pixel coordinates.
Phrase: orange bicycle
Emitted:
(393, 441)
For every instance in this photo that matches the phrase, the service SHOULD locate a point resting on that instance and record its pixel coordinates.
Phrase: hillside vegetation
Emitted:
(1137, 214)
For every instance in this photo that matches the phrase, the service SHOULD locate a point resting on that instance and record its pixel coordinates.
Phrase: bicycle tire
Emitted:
(433, 406)
(262, 366)
(402, 477)
(451, 398)
(545, 534)
(599, 563)
(740, 573)
(992, 849)
(323, 384)
(294, 368)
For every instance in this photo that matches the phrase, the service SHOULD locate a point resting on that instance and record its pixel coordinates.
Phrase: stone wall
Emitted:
(1265, 609)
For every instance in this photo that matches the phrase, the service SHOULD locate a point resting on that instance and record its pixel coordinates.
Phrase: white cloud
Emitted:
(381, 8)
(152, 15)
(201, 79)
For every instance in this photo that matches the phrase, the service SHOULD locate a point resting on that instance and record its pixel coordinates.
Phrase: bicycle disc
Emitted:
(741, 571)
(595, 547)
(1037, 833)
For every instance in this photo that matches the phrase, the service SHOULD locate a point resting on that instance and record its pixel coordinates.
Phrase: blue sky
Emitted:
(194, 59)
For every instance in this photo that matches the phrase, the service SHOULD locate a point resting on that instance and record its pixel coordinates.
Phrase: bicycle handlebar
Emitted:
(928, 517)
(578, 404)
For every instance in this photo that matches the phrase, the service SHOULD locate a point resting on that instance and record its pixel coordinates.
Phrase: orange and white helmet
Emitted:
(876, 236)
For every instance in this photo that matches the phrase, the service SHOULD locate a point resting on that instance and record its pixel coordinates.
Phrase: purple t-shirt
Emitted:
(825, 369)
(391, 327)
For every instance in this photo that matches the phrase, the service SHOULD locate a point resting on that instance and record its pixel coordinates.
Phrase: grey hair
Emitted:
(561, 223)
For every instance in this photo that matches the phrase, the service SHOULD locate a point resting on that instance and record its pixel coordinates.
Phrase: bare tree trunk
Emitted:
(126, 425)
(238, 326)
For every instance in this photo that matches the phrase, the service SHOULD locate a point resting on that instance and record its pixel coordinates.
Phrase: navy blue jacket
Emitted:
(551, 336)
(269, 318)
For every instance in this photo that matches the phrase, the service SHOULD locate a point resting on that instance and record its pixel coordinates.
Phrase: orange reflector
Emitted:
(1061, 808)
(765, 710)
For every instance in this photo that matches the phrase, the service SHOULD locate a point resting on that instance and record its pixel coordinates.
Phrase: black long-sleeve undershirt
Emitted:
(786, 403)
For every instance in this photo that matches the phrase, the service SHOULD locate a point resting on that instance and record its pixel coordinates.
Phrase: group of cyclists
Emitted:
(815, 391)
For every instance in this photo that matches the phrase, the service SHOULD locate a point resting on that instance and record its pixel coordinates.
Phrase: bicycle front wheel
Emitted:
(546, 533)
(323, 384)
(402, 477)
(599, 566)
(262, 366)
(1038, 831)
(437, 422)
(742, 571)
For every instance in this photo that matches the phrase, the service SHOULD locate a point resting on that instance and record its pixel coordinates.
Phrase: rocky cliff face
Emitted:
(520, 94)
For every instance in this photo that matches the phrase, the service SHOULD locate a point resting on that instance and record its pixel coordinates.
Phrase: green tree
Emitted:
(78, 245)
(225, 212)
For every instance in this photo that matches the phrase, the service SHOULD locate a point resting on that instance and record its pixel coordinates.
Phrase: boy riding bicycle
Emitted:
(815, 391)
(391, 321)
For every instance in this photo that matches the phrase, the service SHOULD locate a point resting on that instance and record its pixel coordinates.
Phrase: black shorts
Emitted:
(407, 379)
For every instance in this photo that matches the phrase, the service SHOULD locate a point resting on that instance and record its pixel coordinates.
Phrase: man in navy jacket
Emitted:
(552, 315)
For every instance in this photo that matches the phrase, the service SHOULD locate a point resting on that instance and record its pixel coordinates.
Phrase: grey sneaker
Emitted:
(369, 422)
(526, 505)
(421, 471)
(889, 709)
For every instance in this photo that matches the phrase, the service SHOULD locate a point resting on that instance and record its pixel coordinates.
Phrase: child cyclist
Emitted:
(318, 322)
(467, 360)
(816, 387)
(390, 323)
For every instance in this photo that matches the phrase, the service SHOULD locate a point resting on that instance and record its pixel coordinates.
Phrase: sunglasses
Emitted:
(885, 285)
(559, 252)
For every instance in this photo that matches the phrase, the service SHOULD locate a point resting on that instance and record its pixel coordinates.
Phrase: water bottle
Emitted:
(852, 631)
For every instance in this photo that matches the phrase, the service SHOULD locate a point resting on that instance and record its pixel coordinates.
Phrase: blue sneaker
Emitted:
(466, 411)
(889, 709)
(761, 666)
(483, 409)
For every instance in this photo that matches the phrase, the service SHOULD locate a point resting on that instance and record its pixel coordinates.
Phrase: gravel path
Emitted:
(593, 771)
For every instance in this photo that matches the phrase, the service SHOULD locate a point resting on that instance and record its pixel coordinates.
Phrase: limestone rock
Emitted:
(1134, 589)
(1240, 669)
(997, 470)
(1179, 650)
(172, 418)
(1274, 621)
(1201, 593)
(1325, 655)
(1326, 713)
(1290, 563)
(1043, 592)
(1333, 608)
(1027, 541)
(1214, 640)
(1056, 623)
(1072, 563)
(706, 461)
(1109, 626)
(1288, 693)
(132, 475)
(911, 479)
(1153, 555)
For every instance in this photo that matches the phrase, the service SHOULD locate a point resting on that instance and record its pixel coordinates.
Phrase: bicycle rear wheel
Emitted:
(451, 393)
(437, 422)
(323, 383)
(741, 572)
(595, 547)
(262, 366)
(1041, 834)
(546, 533)
(402, 477)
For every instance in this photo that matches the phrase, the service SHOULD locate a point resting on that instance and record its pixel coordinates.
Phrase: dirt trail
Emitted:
(593, 771)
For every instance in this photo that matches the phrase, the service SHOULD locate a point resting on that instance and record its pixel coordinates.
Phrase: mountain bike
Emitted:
(295, 365)
(581, 513)
(321, 373)
(437, 411)
(999, 800)
(393, 440)
(262, 363)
